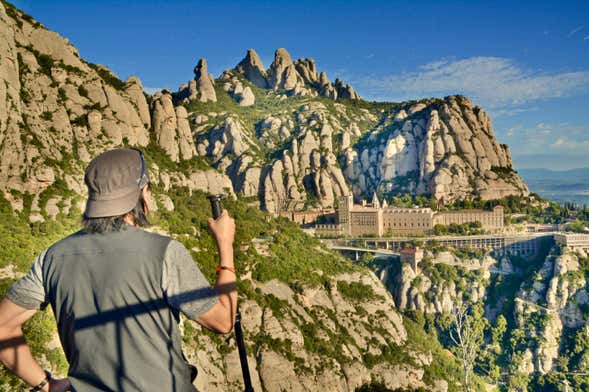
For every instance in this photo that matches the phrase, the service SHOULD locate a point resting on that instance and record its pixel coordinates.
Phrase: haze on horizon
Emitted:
(526, 64)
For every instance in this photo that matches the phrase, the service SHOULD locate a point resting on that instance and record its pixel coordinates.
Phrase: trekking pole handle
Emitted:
(216, 206)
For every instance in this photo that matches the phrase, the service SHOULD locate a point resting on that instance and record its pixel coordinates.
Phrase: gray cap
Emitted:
(114, 180)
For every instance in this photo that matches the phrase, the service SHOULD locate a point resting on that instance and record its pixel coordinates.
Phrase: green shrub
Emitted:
(355, 291)
(82, 91)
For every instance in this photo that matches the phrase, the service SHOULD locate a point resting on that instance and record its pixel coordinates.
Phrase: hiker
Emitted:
(116, 291)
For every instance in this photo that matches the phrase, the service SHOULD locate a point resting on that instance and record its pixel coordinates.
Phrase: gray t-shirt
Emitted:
(116, 298)
(180, 275)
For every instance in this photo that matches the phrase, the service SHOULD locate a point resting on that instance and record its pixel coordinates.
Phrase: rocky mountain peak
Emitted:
(297, 78)
(282, 73)
(253, 69)
(201, 88)
(307, 69)
(200, 69)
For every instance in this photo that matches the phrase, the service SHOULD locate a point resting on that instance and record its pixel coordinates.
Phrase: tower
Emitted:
(343, 213)
(375, 201)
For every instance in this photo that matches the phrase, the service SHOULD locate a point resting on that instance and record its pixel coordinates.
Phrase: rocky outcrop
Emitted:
(282, 73)
(552, 302)
(205, 83)
(345, 91)
(297, 78)
(55, 107)
(201, 88)
(307, 167)
(235, 87)
(277, 370)
(424, 291)
(171, 127)
(253, 69)
(444, 148)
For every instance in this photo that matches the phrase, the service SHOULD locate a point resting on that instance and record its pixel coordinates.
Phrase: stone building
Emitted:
(378, 219)
(491, 220)
(575, 241)
(412, 256)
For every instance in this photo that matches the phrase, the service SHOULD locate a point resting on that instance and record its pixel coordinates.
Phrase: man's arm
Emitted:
(188, 291)
(221, 317)
(14, 350)
(15, 353)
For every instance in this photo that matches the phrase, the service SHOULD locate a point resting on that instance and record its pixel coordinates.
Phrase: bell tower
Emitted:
(343, 213)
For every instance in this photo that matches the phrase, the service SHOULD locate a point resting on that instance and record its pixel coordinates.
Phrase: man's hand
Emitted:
(221, 317)
(223, 229)
(61, 385)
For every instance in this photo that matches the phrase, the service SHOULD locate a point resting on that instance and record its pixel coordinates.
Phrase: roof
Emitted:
(409, 251)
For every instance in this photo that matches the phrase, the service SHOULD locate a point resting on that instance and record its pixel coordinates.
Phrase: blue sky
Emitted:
(526, 63)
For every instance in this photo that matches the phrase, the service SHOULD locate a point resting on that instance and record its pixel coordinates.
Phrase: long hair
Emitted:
(117, 223)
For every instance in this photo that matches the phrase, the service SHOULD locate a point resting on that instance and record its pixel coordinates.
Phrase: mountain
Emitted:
(285, 136)
(580, 174)
(294, 146)
(561, 186)
(312, 318)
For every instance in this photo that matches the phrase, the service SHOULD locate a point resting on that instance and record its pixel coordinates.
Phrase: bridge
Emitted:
(356, 251)
(514, 244)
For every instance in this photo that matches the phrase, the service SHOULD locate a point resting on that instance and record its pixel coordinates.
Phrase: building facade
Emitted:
(575, 241)
(376, 219)
(491, 220)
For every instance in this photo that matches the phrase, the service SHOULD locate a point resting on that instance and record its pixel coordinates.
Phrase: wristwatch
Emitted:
(45, 381)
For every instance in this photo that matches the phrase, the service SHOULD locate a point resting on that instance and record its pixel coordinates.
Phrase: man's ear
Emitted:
(148, 201)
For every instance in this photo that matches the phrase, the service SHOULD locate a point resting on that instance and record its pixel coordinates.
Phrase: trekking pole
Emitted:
(247, 381)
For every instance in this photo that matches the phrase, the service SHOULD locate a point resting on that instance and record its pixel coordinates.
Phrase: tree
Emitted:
(467, 334)
(440, 229)
(498, 331)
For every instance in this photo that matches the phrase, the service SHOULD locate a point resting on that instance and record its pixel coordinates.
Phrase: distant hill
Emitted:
(559, 185)
(580, 174)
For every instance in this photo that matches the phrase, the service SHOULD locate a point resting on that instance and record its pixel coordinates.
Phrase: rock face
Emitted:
(171, 128)
(445, 148)
(552, 303)
(56, 107)
(253, 69)
(424, 291)
(205, 83)
(201, 88)
(276, 370)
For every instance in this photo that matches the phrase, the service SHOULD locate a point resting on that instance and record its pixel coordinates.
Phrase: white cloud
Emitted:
(575, 31)
(492, 81)
(507, 112)
(586, 38)
(559, 139)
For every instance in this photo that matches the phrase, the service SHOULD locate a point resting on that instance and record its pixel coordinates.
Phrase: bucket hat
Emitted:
(115, 180)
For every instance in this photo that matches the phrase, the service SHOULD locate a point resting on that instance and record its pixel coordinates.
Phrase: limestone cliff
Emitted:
(550, 306)
(425, 291)
(443, 148)
(324, 313)
(545, 297)
(57, 111)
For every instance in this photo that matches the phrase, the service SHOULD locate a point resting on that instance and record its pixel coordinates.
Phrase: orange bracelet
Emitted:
(223, 267)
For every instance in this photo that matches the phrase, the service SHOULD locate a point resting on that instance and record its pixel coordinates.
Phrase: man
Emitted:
(116, 292)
